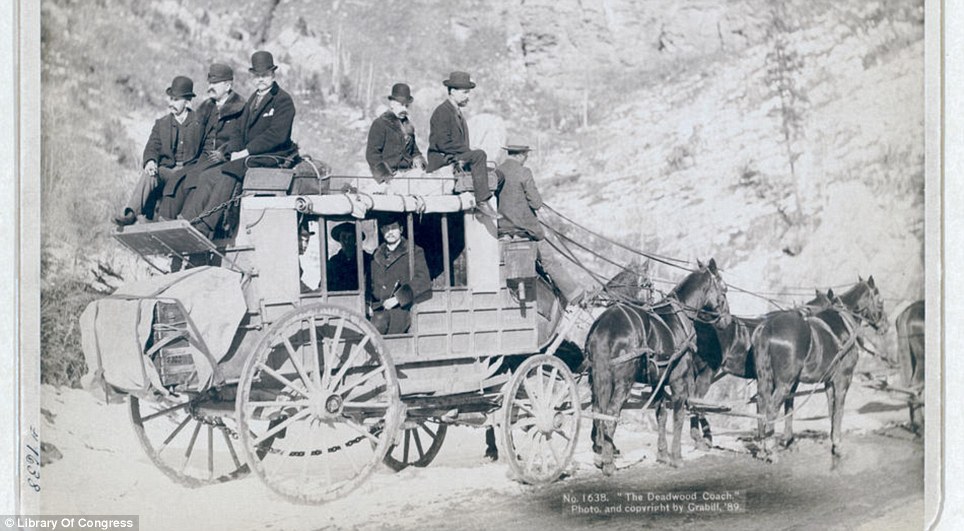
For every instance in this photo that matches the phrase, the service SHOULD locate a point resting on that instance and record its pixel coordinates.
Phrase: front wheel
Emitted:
(318, 404)
(540, 419)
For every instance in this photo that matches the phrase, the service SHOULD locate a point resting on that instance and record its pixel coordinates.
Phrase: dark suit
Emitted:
(222, 131)
(391, 146)
(266, 134)
(162, 148)
(449, 142)
(390, 276)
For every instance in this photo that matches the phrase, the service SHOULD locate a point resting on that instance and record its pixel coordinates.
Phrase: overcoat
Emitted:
(221, 130)
(448, 136)
(390, 267)
(391, 145)
(518, 201)
(390, 276)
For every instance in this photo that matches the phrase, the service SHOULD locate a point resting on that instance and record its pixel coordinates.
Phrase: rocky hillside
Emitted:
(783, 138)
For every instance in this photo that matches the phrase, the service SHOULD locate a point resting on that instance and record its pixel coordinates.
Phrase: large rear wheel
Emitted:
(318, 404)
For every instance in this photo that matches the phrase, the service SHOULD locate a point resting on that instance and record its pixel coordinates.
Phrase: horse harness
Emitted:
(683, 342)
(842, 348)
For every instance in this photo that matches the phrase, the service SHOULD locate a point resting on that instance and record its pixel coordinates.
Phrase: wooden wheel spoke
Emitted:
(524, 423)
(284, 381)
(530, 459)
(174, 433)
(230, 445)
(408, 437)
(355, 351)
(313, 343)
(163, 412)
(190, 446)
(293, 356)
(350, 387)
(550, 392)
(418, 443)
(210, 451)
(433, 435)
(282, 425)
(533, 396)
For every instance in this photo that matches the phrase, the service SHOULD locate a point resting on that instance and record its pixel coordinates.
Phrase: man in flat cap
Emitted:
(265, 138)
(449, 140)
(175, 142)
(391, 139)
(220, 116)
(519, 199)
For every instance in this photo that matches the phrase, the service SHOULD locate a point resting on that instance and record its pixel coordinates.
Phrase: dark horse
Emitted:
(910, 355)
(631, 343)
(729, 350)
(817, 346)
(632, 284)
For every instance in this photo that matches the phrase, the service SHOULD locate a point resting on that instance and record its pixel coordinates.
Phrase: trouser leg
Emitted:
(144, 195)
(556, 265)
(221, 190)
(480, 174)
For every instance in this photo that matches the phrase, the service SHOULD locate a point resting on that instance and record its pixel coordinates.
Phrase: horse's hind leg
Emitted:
(788, 421)
(662, 455)
(837, 389)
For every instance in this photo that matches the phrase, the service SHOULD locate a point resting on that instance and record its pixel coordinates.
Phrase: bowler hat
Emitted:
(401, 93)
(181, 87)
(459, 80)
(218, 72)
(516, 148)
(262, 62)
(343, 228)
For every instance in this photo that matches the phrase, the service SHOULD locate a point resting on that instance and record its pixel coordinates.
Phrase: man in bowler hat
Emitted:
(220, 118)
(449, 140)
(519, 199)
(175, 142)
(393, 287)
(265, 139)
(391, 139)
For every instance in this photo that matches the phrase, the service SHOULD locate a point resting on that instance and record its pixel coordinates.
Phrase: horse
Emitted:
(910, 355)
(631, 284)
(816, 346)
(650, 344)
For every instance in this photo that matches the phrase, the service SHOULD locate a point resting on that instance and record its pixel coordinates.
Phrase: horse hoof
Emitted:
(597, 460)
(608, 469)
(703, 444)
(492, 456)
(676, 462)
(790, 444)
(662, 457)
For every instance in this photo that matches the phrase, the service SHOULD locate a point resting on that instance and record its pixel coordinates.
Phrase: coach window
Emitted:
(346, 259)
(442, 238)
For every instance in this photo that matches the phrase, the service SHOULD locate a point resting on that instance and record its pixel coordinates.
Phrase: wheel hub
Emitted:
(327, 406)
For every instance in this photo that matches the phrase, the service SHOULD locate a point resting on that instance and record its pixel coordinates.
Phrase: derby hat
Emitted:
(342, 229)
(181, 87)
(459, 80)
(401, 93)
(218, 72)
(516, 148)
(262, 62)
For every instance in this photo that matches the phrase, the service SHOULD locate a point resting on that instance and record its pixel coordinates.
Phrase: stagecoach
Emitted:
(257, 361)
